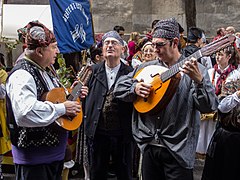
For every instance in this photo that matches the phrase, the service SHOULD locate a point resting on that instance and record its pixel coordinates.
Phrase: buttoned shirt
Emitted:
(111, 74)
(28, 111)
(177, 126)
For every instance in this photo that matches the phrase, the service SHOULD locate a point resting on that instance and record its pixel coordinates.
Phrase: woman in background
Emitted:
(222, 159)
(132, 42)
(223, 72)
(147, 54)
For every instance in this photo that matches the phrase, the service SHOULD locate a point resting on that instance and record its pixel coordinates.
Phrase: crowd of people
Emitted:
(149, 107)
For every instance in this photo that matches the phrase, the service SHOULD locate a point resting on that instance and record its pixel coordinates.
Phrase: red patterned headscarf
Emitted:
(35, 34)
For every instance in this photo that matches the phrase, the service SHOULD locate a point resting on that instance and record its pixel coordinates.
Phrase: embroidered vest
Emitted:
(25, 137)
(109, 120)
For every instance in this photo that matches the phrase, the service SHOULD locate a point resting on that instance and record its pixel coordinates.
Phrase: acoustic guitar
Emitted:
(165, 81)
(61, 94)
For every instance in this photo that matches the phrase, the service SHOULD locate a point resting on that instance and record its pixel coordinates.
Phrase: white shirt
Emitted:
(28, 111)
(232, 76)
(111, 74)
(228, 103)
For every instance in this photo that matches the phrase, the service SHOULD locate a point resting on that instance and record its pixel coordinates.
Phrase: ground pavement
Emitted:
(197, 172)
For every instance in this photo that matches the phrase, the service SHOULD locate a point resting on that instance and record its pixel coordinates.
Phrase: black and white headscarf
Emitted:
(167, 28)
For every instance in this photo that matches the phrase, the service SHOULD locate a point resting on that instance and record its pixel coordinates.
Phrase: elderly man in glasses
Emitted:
(107, 119)
(167, 133)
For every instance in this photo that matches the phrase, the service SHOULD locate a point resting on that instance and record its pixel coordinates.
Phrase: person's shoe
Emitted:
(111, 174)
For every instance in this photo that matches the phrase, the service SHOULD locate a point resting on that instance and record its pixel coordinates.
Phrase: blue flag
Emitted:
(72, 24)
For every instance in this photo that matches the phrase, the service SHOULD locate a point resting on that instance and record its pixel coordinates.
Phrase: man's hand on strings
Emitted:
(84, 89)
(191, 69)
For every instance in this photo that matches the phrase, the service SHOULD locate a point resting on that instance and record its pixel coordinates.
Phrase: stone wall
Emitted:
(134, 15)
(137, 15)
(212, 14)
(107, 14)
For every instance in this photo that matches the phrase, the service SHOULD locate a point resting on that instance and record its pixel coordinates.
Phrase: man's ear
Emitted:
(39, 51)
(97, 57)
(123, 50)
(175, 42)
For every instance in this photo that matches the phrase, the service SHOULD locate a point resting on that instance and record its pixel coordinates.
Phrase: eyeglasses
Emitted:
(160, 44)
(114, 43)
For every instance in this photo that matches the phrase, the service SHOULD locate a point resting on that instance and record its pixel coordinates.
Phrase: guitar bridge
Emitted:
(69, 118)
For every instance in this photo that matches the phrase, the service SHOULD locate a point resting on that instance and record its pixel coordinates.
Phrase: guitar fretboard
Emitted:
(175, 68)
(75, 92)
(83, 78)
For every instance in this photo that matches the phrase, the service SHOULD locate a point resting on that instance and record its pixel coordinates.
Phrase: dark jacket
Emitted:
(98, 90)
(190, 49)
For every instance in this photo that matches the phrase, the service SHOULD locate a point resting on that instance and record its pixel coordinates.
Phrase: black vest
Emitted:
(31, 137)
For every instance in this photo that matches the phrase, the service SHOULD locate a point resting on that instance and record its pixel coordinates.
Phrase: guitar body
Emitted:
(161, 92)
(58, 95)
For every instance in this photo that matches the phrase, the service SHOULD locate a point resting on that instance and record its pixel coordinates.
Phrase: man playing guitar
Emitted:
(168, 136)
(38, 143)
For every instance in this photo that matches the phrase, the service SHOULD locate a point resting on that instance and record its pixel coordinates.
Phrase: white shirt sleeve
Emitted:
(135, 63)
(228, 103)
(28, 111)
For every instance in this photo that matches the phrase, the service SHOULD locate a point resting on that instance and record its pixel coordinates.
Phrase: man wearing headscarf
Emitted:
(38, 143)
(167, 134)
(107, 119)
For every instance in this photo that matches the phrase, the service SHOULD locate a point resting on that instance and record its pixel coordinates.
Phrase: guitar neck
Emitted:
(84, 76)
(75, 92)
(175, 68)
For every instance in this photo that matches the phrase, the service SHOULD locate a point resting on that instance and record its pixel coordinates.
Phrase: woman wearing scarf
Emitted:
(223, 72)
(220, 154)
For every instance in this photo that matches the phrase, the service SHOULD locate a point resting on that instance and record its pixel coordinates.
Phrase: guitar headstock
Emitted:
(84, 74)
(218, 45)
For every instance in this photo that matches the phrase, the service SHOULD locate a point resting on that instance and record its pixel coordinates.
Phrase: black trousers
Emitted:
(51, 171)
(100, 150)
(159, 164)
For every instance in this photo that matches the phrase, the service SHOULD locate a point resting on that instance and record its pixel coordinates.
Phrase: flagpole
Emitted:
(90, 1)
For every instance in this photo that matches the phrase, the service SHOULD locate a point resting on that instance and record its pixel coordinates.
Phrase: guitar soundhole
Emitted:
(145, 99)
(152, 76)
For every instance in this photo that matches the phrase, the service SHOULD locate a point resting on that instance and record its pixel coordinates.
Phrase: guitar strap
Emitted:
(54, 76)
